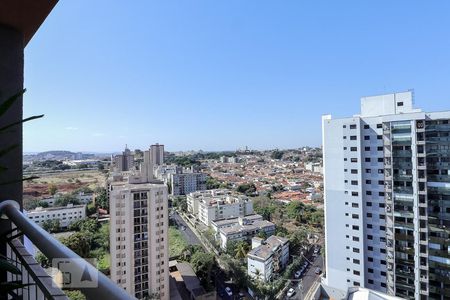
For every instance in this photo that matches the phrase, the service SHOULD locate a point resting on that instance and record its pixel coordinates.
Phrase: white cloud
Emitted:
(71, 128)
(98, 134)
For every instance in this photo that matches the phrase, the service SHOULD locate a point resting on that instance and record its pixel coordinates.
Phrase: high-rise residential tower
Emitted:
(125, 161)
(387, 199)
(138, 239)
(157, 154)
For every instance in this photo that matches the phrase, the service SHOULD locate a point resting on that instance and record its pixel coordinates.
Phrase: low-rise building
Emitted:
(241, 229)
(267, 257)
(65, 214)
(215, 205)
(84, 198)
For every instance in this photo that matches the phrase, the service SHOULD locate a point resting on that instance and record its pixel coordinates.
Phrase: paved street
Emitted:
(191, 238)
(308, 278)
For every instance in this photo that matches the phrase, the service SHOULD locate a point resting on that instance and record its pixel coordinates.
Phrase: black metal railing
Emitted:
(42, 285)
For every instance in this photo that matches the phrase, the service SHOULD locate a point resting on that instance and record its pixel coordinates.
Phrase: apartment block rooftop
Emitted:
(267, 247)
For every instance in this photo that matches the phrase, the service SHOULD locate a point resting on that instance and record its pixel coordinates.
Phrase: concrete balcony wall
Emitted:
(11, 82)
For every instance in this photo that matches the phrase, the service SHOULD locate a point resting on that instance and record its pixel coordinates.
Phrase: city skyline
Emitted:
(222, 75)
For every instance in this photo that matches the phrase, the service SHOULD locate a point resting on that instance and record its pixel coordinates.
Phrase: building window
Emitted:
(379, 137)
(355, 194)
(356, 250)
(354, 182)
(354, 160)
(355, 227)
(356, 261)
(368, 193)
(353, 149)
(399, 103)
(368, 181)
(352, 126)
(366, 137)
(367, 159)
(355, 216)
(356, 272)
(380, 148)
(354, 171)
(366, 126)
(353, 137)
(356, 239)
(366, 148)
(355, 205)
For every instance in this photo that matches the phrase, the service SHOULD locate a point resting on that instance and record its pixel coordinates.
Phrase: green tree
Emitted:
(79, 242)
(247, 189)
(212, 183)
(43, 260)
(74, 295)
(51, 225)
(241, 250)
(276, 154)
(202, 263)
(66, 199)
(52, 189)
(101, 198)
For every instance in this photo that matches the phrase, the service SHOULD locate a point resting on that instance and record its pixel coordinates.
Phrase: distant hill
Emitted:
(56, 153)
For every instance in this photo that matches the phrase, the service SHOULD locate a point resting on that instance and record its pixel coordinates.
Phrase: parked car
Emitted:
(318, 271)
(298, 274)
(290, 292)
(229, 291)
(241, 295)
(317, 250)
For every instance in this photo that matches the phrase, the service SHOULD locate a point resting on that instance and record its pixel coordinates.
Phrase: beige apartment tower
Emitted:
(157, 154)
(138, 239)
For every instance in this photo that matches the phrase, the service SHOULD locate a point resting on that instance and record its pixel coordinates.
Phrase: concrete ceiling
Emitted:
(25, 16)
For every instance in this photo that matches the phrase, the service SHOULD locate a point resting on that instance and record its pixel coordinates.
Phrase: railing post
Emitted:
(53, 249)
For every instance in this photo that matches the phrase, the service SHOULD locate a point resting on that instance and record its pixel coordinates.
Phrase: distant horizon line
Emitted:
(173, 151)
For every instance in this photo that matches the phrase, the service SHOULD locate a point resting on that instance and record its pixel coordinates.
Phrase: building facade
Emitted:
(241, 229)
(157, 154)
(387, 199)
(138, 240)
(185, 183)
(66, 215)
(212, 205)
(124, 162)
(267, 257)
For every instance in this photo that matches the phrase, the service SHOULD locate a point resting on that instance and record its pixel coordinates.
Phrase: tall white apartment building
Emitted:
(212, 205)
(139, 237)
(387, 199)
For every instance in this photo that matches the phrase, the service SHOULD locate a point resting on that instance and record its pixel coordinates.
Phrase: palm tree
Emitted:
(241, 250)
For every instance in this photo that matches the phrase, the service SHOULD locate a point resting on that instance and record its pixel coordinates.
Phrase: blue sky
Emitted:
(218, 75)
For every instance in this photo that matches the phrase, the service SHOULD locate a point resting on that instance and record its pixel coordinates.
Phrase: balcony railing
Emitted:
(42, 285)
